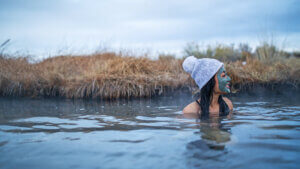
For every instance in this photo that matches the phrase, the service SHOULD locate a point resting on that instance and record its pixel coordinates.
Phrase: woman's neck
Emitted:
(215, 98)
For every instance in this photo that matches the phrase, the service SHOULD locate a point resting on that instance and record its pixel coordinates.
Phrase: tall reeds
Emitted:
(106, 76)
(111, 75)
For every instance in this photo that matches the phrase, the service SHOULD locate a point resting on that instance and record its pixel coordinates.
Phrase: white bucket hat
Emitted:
(201, 70)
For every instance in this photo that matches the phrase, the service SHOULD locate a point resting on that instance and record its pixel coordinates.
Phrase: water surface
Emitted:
(263, 132)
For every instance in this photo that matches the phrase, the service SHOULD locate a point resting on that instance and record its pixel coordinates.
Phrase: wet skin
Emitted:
(224, 80)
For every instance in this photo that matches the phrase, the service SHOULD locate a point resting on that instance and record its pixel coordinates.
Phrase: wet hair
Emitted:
(206, 99)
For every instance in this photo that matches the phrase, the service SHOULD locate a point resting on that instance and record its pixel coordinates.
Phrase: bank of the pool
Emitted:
(113, 75)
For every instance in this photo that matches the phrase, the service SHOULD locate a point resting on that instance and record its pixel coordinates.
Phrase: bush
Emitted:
(270, 53)
(192, 49)
(220, 52)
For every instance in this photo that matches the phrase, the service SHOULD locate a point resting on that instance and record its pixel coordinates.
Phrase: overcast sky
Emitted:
(48, 27)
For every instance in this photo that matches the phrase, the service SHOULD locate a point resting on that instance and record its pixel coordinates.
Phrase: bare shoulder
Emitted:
(192, 108)
(228, 102)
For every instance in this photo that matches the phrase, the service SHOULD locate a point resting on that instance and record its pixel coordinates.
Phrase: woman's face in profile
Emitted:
(222, 85)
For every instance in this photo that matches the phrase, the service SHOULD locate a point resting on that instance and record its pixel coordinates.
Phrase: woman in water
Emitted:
(210, 76)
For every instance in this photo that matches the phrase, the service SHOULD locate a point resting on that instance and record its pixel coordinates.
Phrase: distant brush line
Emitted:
(112, 75)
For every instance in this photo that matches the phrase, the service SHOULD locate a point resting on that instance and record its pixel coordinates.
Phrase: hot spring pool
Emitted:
(263, 132)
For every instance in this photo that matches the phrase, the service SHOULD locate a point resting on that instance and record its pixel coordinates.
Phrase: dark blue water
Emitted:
(262, 132)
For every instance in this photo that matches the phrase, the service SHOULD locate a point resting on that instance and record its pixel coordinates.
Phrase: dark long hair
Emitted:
(206, 99)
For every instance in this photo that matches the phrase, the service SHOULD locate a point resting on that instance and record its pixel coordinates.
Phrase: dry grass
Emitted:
(110, 75)
(284, 72)
(104, 76)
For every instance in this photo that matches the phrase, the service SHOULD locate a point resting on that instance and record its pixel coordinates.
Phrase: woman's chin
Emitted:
(226, 92)
(222, 92)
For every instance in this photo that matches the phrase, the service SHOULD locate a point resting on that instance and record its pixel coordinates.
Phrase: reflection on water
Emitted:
(211, 145)
(263, 132)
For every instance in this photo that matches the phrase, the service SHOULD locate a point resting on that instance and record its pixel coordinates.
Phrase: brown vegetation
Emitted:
(284, 72)
(111, 75)
(106, 75)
